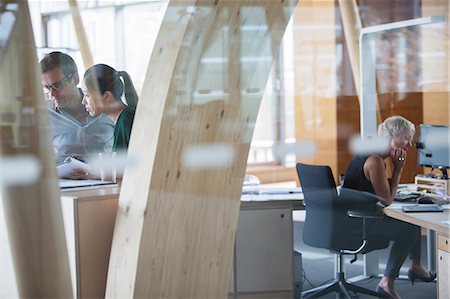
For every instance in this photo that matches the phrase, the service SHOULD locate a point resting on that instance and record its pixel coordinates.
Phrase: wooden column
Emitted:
(32, 210)
(351, 22)
(177, 215)
(315, 79)
(83, 42)
(436, 68)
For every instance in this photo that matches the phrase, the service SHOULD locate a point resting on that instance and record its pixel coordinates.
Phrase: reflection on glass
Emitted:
(7, 19)
(315, 70)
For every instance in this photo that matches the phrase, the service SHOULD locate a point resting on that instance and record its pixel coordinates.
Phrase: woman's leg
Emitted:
(387, 284)
(415, 252)
(406, 239)
(416, 263)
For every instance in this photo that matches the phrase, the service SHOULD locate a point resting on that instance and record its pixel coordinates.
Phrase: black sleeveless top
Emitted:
(354, 176)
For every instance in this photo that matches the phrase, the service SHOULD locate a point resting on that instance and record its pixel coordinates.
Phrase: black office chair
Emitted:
(338, 223)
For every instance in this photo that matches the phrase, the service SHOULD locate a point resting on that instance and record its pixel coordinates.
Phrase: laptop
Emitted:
(67, 184)
(425, 208)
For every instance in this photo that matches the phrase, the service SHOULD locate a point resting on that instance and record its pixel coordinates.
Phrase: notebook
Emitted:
(422, 208)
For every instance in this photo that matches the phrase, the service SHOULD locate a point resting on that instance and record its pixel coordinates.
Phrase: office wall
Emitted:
(328, 112)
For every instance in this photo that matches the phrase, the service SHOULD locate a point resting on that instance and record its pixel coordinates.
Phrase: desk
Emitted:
(263, 258)
(263, 253)
(435, 222)
(431, 221)
(89, 216)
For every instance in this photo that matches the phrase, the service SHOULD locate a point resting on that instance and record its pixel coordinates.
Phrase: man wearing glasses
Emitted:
(74, 132)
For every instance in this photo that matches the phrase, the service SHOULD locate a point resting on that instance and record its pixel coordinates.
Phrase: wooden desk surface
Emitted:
(251, 201)
(433, 221)
(247, 200)
(91, 193)
(90, 219)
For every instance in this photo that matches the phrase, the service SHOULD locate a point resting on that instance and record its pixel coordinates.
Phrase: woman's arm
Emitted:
(375, 171)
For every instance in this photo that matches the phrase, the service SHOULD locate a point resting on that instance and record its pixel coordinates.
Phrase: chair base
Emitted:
(340, 286)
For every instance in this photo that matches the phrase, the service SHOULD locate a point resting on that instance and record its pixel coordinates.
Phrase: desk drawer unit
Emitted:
(443, 267)
(264, 250)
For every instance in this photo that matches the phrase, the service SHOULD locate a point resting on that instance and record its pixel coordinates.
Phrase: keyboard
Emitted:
(406, 196)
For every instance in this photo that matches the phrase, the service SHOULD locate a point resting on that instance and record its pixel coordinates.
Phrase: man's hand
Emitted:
(79, 174)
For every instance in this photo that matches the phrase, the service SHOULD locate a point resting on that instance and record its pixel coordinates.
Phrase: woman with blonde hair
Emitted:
(368, 173)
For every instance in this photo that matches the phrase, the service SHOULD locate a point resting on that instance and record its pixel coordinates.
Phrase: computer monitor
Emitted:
(434, 147)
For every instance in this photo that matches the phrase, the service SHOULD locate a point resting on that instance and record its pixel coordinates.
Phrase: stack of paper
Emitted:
(69, 164)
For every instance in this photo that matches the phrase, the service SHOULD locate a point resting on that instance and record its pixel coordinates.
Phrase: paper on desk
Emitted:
(398, 205)
(65, 184)
(69, 164)
(279, 190)
(446, 207)
(250, 189)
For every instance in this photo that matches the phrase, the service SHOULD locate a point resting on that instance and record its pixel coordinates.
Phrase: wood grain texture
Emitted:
(32, 210)
(433, 221)
(83, 42)
(315, 76)
(352, 25)
(176, 222)
(444, 243)
(95, 227)
(436, 96)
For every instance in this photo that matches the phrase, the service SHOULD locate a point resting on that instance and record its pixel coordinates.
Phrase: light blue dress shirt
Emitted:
(71, 138)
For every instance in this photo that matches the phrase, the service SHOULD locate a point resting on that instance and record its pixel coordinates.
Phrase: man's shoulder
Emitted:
(52, 110)
(56, 115)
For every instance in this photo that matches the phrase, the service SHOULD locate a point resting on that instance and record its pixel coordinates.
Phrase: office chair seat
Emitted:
(328, 224)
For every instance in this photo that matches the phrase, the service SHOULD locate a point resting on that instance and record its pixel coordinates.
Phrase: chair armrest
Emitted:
(377, 213)
(360, 199)
(366, 214)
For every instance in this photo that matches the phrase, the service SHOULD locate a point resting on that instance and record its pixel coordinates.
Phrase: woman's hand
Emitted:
(398, 156)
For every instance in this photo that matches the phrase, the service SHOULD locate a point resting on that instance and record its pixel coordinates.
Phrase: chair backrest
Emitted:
(327, 224)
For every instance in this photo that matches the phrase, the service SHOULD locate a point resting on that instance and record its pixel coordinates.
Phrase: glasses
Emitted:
(57, 86)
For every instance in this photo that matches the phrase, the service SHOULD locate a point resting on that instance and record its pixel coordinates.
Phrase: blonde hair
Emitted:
(394, 125)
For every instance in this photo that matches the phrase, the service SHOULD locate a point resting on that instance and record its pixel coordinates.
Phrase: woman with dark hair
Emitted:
(112, 93)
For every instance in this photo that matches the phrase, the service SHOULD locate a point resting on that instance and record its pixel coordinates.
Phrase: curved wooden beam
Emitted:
(352, 26)
(83, 42)
(32, 209)
(179, 205)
